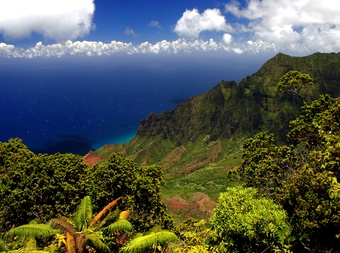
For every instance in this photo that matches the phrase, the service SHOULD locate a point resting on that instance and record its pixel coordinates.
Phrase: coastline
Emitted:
(121, 139)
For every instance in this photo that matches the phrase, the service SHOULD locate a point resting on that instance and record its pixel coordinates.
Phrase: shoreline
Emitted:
(122, 139)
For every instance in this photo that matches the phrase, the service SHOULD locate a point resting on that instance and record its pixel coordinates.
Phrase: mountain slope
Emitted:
(205, 133)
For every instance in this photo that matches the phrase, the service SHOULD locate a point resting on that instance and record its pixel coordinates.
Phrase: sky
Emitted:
(57, 28)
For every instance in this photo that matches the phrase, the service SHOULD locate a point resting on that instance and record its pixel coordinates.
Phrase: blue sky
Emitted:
(43, 28)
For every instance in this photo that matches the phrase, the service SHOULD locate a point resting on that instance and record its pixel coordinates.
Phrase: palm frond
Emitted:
(27, 251)
(83, 215)
(121, 226)
(64, 224)
(32, 230)
(103, 212)
(70, 243)
(148, 241)
(97, 243)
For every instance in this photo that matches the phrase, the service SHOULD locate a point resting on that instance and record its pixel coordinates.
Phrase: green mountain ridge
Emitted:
(202, 138)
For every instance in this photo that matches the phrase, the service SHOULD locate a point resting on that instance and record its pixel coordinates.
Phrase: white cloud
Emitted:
(192, 23)
(54, 19)
(93, 48)
(292, 25)
(155, 23)
(227, 38)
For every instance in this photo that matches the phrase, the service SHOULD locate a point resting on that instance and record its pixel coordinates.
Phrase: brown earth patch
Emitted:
(174, 156)
(198, 206)
(91, 158)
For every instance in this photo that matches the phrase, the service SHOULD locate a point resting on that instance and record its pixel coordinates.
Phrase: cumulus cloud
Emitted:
(94, 48)
(58, 20)
(292, 25)
(192, 23)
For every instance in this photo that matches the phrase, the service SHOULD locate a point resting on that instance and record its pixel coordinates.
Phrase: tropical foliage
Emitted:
(153, 241)
(245, 222)
(140, 186)
(302, 176)
(42, 185)
(47, 186)
(294, 81)
(85, 233)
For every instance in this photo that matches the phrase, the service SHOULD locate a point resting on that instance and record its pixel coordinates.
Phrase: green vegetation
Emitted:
(294, 81)
(85, 233)
(244, 222)
(302, 177)
(289, 200)
(42, 185)
(48, 186)
(194, 137)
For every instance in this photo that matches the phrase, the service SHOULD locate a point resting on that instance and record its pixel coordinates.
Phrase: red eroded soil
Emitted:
(91, 158)
(198, 206)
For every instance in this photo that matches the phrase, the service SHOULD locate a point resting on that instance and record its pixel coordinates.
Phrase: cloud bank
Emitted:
(93, 48)
(58, 20)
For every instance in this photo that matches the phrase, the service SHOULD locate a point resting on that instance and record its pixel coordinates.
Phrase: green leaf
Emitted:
(32, 230)
(121, 225)
(97, 243)
(83, 214)
(148, 241)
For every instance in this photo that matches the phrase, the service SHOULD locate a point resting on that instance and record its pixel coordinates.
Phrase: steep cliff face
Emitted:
(207, 114)
(252, 105)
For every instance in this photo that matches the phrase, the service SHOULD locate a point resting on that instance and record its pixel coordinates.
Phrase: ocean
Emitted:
(76, 104)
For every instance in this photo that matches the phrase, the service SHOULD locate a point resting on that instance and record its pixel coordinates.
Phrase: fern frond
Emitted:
(70, 243)
(121, 226)
(64, 224)
(32, 230)
(103, 212)
(97, 243)
(83, 215)
(148, 241)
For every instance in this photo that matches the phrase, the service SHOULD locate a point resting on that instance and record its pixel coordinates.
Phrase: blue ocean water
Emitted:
(77, 104)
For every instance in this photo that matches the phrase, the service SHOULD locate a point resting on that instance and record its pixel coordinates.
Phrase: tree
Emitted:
(303, 177)
(294, 81)
(140, 186)
(245, 222)
(84, 227)
(42, 185)
(266, 165)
